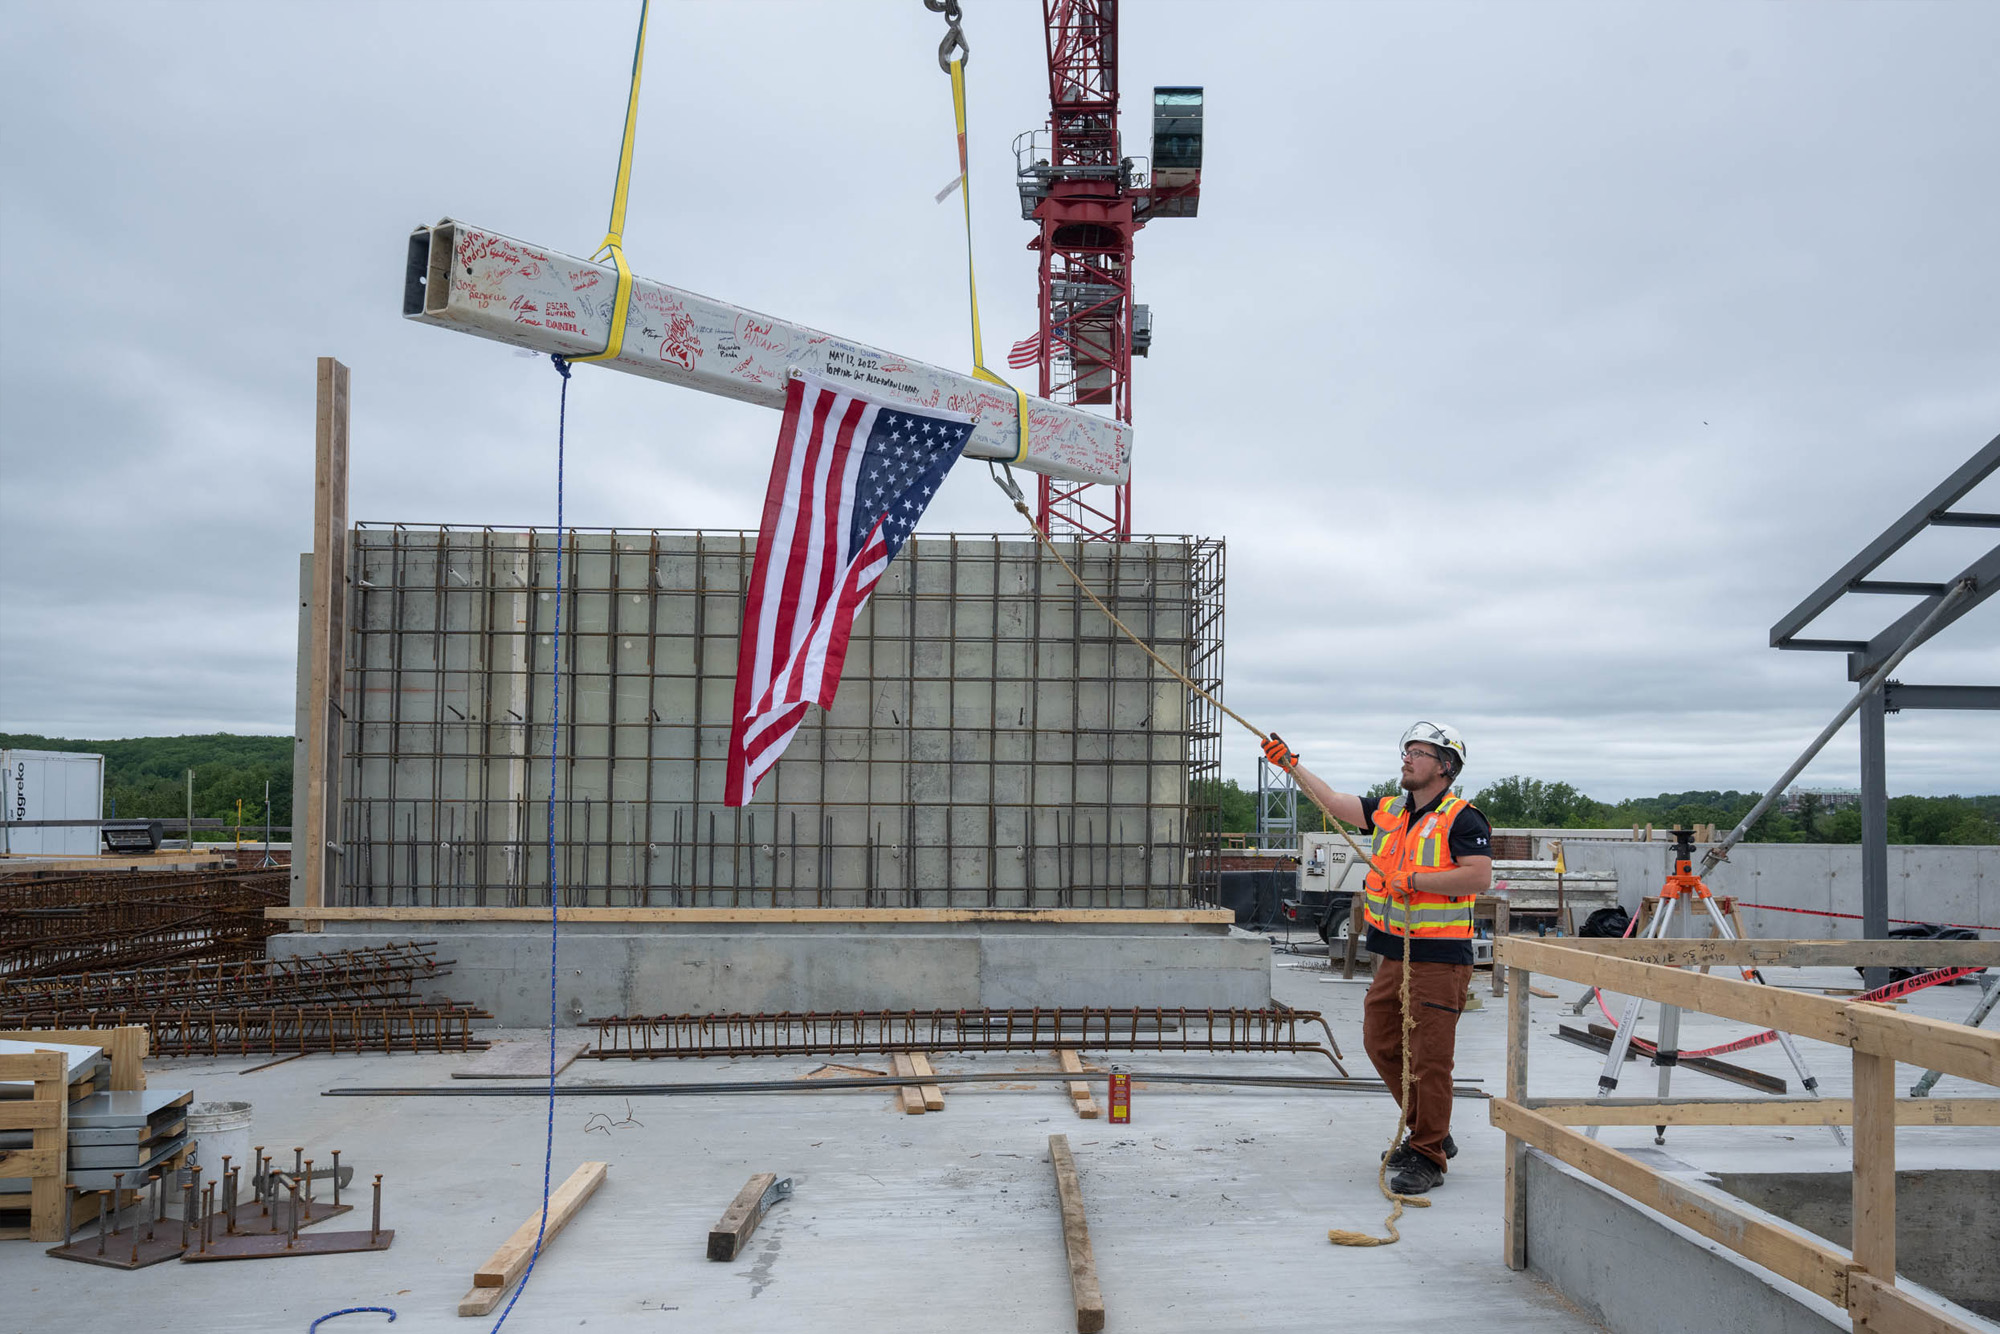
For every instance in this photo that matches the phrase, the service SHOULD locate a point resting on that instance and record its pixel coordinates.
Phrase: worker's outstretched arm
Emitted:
(1342, 806)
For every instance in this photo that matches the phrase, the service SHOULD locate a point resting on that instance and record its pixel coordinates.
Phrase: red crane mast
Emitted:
(1090, 200)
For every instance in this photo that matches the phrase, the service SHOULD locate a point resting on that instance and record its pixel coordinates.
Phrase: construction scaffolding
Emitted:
(995, 741)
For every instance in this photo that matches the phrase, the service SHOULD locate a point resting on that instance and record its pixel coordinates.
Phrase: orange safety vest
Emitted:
(1398, 847)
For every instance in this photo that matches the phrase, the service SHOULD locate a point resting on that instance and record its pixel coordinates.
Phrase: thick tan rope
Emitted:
(1338, 1236)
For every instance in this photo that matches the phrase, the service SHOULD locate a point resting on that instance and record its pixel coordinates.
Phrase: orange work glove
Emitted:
(1401, 885)
(1279, 754)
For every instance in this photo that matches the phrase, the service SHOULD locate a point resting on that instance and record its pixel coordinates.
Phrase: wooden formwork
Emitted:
(1861, 1281)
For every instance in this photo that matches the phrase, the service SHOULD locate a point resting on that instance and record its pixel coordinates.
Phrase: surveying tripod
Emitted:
(1685, 883)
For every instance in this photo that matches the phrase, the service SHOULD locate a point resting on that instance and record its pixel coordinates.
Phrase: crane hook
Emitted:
(954, 39)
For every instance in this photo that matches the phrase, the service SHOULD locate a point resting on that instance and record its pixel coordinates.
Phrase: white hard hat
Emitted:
(1441, 735)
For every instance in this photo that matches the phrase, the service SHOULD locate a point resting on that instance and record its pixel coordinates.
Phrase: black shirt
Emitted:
(1471, 836)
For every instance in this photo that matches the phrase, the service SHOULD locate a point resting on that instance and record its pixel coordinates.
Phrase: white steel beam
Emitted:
(480, 282)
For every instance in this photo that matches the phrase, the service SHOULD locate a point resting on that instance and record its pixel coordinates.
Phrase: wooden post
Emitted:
(1514, 1226)
(326, 683)
(1875, 1164)
(1355, 926)
(1503, 923)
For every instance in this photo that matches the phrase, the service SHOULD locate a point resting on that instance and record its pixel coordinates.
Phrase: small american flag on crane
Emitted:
(851, 479)
(1027, 352)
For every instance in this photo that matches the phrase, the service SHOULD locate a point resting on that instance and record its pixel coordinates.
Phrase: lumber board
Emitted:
(732, 1231)
(1514, 1186)
(1936, 1044)
(765, 916)
(1797, 953)
(1810, 1264)
(30, 1162)
(908, 1096)
(47, 1198)
(1758, 1112)
(933, 1096)
(1883, 1308)
(327, 634)
(1875, 1164)
(23, 1114)
(1079, 1090)
(1085, 1293)
(511, 1259)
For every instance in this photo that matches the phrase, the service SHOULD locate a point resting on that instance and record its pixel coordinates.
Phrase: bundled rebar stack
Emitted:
(74, 924)
(353, 1000)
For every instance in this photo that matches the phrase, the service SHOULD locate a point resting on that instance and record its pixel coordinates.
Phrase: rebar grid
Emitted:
(78, 923)
(995, 743)
(1273, 1029)
(273, 1030)
(376, 974)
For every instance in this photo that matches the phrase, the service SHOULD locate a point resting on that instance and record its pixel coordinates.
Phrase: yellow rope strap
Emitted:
(979, 371)
(1338, 1236)
(614, 237)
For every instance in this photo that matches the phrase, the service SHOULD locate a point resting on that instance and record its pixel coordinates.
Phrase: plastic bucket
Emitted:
(218, 1129)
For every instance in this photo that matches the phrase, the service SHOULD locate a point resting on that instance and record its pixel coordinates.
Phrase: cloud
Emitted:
(1531, 361)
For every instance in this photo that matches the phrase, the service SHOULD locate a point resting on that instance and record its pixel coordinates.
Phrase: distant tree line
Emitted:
(146, 777)
(1529, 803)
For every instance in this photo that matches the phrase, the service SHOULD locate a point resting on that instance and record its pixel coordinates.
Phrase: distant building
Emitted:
(1823, 798)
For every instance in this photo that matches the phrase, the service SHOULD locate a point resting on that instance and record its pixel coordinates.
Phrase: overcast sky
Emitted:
(1532, 359)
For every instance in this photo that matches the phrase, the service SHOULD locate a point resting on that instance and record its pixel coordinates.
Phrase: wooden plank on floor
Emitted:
(1079, 1091)
(909, 1095)
(1084, 1291)
(508, 1263)
(520, 1060)
(932, 1095)
(731, 1232)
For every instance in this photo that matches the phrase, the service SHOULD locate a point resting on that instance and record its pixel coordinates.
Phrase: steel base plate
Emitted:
(251, 1222)
(275, 1248)
(119, 1252)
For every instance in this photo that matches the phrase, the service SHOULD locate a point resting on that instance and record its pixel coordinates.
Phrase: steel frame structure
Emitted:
(1089, 206)
(1866, 656)
(996, 742)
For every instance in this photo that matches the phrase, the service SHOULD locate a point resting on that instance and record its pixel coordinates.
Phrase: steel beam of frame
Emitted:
(1896, 697)
(480, 282)
(1985, 575)
(1931, 509)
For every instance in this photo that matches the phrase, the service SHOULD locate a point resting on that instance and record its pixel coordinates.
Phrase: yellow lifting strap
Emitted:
(614, 238)
(979, 371)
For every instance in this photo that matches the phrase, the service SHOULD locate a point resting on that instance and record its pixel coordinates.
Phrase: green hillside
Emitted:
(147, 776)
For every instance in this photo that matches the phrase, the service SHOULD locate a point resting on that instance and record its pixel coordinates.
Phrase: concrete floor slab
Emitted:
(1208, 1212)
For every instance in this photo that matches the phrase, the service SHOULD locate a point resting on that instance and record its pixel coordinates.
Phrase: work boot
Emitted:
(1400, 1156)
(1419, 1174)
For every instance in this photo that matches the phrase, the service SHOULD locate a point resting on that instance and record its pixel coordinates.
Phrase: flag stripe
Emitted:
(848, 483)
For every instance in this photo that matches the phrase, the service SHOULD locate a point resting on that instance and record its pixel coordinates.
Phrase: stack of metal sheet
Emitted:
(128, 1132)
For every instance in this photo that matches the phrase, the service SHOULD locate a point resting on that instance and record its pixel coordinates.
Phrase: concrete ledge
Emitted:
(698, 967)
(1641, 1273)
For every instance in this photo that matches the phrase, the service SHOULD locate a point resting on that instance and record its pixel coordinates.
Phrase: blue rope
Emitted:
(350, 1310)
(555, 736)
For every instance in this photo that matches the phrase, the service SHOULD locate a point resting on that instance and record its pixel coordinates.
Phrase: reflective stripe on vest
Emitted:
(1397, 847)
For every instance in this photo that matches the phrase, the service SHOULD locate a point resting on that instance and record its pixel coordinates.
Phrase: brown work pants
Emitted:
(1437, 994)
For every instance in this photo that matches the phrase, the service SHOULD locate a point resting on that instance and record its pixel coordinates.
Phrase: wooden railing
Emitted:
(1861, 1281)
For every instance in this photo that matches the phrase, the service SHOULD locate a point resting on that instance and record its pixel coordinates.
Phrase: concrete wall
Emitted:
(994, 741)
(1926, 883)
(1641, 1273)
(1947, 1223)
(704, 968)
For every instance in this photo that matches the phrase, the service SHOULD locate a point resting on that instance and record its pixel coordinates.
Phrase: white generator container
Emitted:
(51, 785)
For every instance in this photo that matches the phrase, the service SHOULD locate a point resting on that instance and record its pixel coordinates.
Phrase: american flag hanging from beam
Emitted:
(850, 481)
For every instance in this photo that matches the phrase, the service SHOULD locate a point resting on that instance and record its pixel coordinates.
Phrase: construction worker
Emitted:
(1431, 856)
